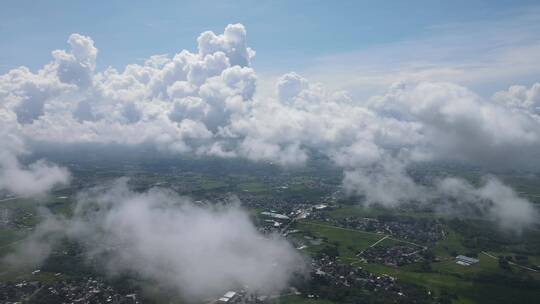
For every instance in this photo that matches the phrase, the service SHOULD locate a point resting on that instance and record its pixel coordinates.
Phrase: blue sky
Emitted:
(314, 37)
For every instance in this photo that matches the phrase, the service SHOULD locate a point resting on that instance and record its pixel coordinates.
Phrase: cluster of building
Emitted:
(275, 215)
(89, 290)
(272, 222)
(242, 296)
(229, 297)
(5, 217)
(16, 218)
(396, 256)
(328, 271)
(11, 293)
(276, 222)
(345, 275)
(465, 260)
(422, 230)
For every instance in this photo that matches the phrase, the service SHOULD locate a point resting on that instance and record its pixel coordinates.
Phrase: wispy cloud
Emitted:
(486, 55)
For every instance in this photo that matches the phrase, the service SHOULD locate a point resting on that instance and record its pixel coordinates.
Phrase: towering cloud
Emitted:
(204, 103)
(77, 66)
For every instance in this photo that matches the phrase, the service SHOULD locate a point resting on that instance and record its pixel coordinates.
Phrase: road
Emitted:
(10, 199)
(377, 242)
(341, 228)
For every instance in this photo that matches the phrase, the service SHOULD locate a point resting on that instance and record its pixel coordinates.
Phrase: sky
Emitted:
(327, 40)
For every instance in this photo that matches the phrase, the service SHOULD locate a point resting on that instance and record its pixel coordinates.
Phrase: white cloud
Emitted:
(521, 97)
(458, 124)
(386, 183)
(289, 86)
(232, 43)
(32, 180)
(77, 66)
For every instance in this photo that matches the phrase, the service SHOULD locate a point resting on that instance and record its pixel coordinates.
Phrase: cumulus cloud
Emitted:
(76, 66)
(290, 86)
(232, 43)
(198, 250)
(458, 124)
(521, 97)
(204, 103)
(69, 102)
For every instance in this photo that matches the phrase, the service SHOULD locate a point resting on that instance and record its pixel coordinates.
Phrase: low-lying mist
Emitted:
(169, 240)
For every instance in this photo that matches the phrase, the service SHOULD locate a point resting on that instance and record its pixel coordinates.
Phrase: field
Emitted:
(484, 282)
(348, 242)
(300, 300)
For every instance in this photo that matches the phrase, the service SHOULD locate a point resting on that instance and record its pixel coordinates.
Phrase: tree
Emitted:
(503, 263)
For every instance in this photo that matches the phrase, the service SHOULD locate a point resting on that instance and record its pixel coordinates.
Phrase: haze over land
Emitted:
(169, 240)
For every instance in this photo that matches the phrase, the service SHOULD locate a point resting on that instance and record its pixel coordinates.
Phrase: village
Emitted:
(87, 290)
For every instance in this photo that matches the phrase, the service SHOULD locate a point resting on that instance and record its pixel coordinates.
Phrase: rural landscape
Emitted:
(354, 253)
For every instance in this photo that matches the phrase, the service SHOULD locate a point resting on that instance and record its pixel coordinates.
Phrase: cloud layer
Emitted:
(204, 103)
